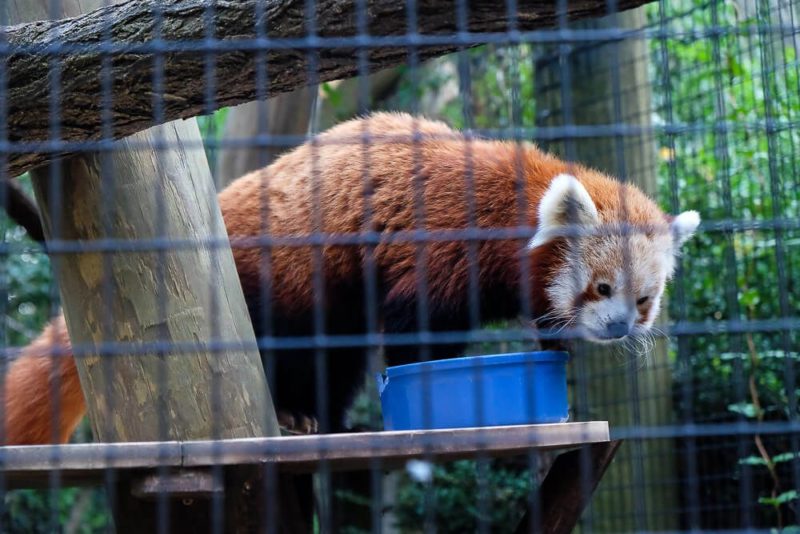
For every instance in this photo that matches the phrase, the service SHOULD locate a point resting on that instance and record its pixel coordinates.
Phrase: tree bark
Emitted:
(78, 45)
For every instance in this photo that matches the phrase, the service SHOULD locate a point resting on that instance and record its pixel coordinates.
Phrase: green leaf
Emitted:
(333, 94)
(751, 297)
(745, 408)
(785, 457)
(778, 458)
(783, 498)
(752, 460)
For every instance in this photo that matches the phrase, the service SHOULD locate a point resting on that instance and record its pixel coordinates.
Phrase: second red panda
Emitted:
(597, 265)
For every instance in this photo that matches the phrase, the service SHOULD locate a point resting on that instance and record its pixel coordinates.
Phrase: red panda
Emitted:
(597, 263)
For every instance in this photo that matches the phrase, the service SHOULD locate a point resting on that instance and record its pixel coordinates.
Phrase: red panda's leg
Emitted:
(29, 387)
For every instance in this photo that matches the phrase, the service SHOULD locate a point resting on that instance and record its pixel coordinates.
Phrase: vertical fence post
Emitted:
(179, 301)
(609, 85)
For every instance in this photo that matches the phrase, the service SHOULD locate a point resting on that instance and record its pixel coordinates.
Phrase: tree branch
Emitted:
(23, 211)
(77, 47)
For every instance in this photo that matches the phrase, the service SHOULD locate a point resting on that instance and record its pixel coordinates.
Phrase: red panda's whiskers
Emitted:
(558, 326)
(654, 330)
(555, 315)
(641, 346)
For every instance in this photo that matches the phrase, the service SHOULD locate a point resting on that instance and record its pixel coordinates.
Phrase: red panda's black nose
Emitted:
(617, 329)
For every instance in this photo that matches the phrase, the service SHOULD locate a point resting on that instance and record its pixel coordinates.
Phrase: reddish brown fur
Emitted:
(341, 161)
(394, 168)
(644, 309)
(29, 385)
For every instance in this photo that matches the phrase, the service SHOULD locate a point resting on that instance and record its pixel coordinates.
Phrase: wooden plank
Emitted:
(568, 487)
(79, 464)
(184, 484)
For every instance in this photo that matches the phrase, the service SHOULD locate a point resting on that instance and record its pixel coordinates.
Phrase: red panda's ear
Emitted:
(683, 227)
(565, 208)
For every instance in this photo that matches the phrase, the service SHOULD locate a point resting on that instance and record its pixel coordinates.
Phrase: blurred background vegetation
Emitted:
(725, 110)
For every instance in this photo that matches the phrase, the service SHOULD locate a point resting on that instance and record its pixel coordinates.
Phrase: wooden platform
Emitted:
(86, 464)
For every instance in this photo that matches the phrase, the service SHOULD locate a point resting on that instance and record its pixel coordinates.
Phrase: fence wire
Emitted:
(348, 260)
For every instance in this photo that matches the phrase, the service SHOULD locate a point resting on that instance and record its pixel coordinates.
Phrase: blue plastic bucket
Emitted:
(492, 390)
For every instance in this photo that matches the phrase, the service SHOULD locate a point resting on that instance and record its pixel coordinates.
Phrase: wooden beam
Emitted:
(26, 466)
(74, 45)
(568, 487)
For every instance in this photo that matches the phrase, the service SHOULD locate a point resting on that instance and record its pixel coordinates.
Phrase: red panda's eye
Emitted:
(641, 301)
(604, 290)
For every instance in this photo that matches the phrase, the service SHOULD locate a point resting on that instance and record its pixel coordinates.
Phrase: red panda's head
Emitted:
(615, 252)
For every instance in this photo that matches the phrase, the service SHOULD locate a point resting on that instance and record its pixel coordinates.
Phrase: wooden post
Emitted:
(189, 295)
(568, 488)
(608, 84)
(149, 300)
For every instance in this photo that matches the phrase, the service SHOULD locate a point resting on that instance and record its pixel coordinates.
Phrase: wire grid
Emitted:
(716, 132)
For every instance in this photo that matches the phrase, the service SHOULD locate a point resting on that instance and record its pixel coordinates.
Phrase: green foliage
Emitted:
(735, 161)
(455, 494)
(212, 126)
(365, 412)
(779, 458)
(333, 94)
(737, 174)
(26, 278)
(783, 498)
(491, 84)
(713, 379)
(70, 510)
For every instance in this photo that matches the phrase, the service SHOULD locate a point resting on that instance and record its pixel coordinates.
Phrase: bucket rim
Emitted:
(484, 360)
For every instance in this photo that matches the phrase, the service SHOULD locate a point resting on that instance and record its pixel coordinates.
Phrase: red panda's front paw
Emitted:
(297, 423)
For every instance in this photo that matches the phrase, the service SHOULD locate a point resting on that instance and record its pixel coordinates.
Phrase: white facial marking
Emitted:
(635, 265)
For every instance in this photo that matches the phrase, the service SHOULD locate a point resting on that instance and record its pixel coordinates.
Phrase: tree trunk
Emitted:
(166, 307)
(72, 44)
(144, 321)
(608, 84)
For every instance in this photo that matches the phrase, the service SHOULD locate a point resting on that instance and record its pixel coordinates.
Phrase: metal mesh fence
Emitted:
(393, 240)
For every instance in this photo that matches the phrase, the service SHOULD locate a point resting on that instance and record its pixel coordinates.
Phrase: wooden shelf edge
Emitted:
(80, 464)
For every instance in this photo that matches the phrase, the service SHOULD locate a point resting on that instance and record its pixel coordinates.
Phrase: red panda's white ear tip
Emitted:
(683, 226)
(566, 203)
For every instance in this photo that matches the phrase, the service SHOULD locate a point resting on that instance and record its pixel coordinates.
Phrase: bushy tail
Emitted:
(44, 372)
